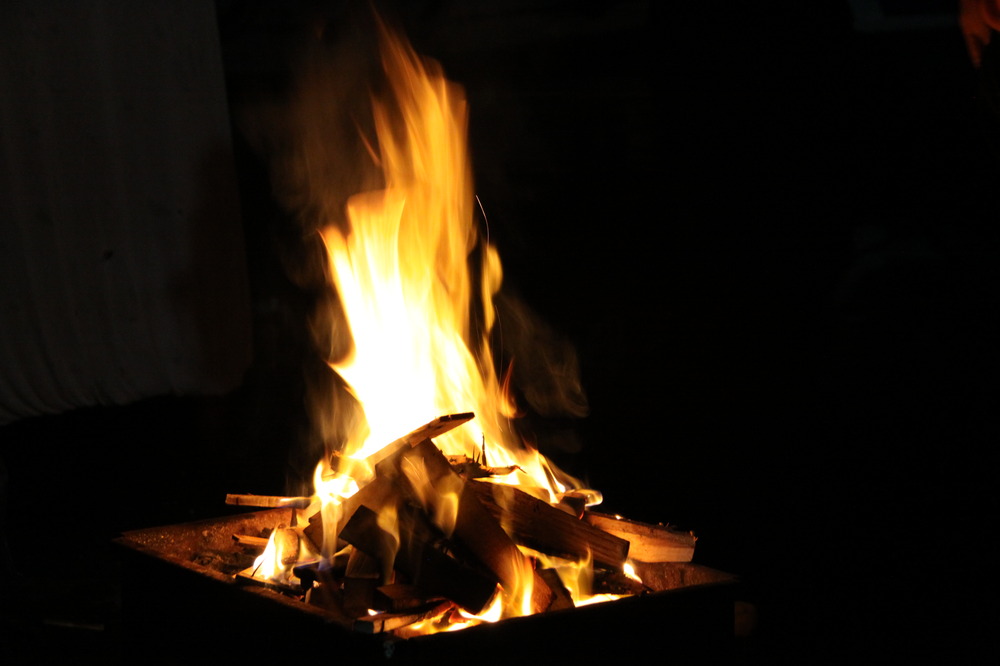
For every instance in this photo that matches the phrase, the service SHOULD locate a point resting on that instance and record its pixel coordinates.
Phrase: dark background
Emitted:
(770, 236)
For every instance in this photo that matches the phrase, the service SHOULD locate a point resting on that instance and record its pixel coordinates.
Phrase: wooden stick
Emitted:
(536, 523)
(382, 622)
(399, 597)
(430, 430)
(649, 543)
(269, 501)
(252, 541)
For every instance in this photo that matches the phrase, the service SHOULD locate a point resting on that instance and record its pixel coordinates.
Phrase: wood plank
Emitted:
(430, 430)
(649, 543)
(269, 501)
(536, 523)
(383, 622)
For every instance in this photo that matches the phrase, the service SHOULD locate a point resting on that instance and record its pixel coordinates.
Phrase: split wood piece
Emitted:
(311, 573)
(616, 582)
(399, 598)
(435, 428)
(358, 594)
(317, 571)
(650, 543)
(536, 523)
(573, 505)
(286, 545)
(247, 575)
(383, 622)
(441, 492)
(378, 493)
(419, 554)
(380, 490)
(362, 565)
(250, 541)
(561, 598)
(363, 574)
(330, 598)
(577, 500)
(269, 501)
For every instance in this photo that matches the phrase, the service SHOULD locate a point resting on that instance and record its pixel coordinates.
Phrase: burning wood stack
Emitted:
(431, 543)
(418, 537)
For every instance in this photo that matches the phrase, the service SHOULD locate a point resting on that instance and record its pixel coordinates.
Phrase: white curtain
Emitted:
(122, 264)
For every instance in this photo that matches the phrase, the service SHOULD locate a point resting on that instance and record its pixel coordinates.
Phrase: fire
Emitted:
(401, 269)
(412, 273)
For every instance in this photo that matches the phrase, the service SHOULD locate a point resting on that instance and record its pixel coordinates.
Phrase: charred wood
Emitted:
(422, 556)
(474, 526)
(540, 525)
(383, 622)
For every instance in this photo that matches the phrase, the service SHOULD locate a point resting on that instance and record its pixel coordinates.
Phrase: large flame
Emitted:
(402, 273)
(412, 273)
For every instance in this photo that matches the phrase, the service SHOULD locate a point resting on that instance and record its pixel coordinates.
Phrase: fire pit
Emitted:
(183, 602)
(458, 539)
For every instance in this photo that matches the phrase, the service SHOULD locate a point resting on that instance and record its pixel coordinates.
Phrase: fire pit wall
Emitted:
(182, 603)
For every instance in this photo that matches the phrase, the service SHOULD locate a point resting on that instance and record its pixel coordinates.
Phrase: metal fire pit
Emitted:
(182, 604)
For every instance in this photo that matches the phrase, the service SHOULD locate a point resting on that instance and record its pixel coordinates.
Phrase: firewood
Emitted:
(400, 597)
(330, 598)
(574, 505)
(649, 543)
(473, 526)
(286, 545)
(249, 575)
(471, 468)
(358, 594)
(251, 541)
(577, 500)
(383, 622)
(561, 598)
(379, 490)
(362, 565)
(538, 524)
(269, 501)
(435, 428)
(616, 582)
(419, 553)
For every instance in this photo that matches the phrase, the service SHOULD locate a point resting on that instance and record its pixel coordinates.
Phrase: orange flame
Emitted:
(401, 269)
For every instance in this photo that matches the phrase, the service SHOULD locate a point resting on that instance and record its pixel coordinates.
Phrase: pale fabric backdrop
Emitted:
(122, 260)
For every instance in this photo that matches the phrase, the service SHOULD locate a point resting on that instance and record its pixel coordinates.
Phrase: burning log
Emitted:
(381, 489)
(399, 597)
(474, 526)
(649, 543)
(421, 474)
(421, 557)
(420, 540)
(540, 525)
(363, 574)
(561, 598)
(429, 430)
